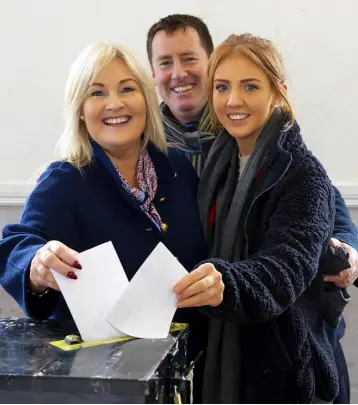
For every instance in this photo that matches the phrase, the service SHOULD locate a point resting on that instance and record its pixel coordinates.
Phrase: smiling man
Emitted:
(179, 47)
(179, 64)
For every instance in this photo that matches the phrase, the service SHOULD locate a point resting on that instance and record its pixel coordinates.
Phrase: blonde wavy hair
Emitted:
(264, 54)
(74, 145)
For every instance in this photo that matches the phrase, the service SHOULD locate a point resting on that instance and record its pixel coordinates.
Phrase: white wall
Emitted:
(39, 39)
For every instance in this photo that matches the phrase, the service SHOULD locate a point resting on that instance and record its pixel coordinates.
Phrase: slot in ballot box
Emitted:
(38, 367)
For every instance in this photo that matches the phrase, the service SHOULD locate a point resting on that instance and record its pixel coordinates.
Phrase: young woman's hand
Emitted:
(201, 287)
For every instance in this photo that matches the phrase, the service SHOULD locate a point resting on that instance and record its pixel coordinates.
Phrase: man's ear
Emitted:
(153, 76)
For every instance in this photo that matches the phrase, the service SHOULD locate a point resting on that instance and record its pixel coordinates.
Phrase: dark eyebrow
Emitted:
(180, 54)
(188, 54)
(120, 82)
(251, 79)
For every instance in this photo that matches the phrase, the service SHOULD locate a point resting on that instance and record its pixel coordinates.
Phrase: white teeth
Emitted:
(182, 89)
(238, 116)
(118, 120)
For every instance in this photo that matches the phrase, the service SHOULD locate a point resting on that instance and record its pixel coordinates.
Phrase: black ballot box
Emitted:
(33, 370)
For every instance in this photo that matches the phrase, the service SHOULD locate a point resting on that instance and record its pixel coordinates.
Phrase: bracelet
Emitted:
(39, 294)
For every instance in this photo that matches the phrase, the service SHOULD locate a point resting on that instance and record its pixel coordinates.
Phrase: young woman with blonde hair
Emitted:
(267, 209)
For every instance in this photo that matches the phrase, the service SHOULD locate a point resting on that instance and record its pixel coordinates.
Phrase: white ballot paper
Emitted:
(90, 297)
(147, 306)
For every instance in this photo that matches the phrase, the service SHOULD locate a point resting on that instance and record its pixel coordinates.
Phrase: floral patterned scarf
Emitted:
(147, 187)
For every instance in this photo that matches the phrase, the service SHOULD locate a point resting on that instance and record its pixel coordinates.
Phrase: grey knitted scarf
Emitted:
(194, 145)
(219, 181)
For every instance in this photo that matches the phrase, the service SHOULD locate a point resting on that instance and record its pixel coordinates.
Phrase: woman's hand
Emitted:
(202, 286)
(58, 257)
(346, 277)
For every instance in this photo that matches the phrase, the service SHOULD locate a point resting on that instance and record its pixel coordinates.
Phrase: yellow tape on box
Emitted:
(175, 327)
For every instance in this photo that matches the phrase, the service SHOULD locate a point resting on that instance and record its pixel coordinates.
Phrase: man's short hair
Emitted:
(175, 22)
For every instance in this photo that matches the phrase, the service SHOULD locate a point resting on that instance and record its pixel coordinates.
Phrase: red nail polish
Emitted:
(72, 275)
(76, 265)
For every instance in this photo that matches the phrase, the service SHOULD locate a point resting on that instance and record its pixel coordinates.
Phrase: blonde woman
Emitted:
(267, 208)
(115, 181)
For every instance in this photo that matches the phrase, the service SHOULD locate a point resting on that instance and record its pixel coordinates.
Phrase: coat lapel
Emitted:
(162, 166)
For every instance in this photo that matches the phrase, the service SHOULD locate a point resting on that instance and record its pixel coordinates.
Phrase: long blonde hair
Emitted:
(263, 54)
(74, 145)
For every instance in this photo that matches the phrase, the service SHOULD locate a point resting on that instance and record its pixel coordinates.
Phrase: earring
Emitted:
(82, 117)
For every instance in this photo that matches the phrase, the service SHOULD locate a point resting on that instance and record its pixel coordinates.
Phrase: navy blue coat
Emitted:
(286, 355)
(83, 210)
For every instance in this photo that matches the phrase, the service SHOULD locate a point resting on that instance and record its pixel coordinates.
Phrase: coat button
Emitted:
(164, 227)
(163, 199)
